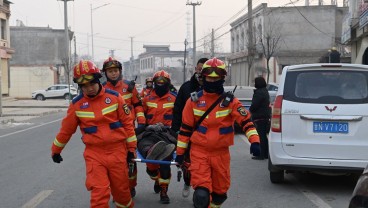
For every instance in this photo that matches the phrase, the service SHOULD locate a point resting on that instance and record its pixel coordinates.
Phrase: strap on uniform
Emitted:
(209, 110)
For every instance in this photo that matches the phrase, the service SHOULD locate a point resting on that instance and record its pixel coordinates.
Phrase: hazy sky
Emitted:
(148, 21)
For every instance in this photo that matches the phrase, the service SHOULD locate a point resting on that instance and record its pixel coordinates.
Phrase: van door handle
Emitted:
(331, 118)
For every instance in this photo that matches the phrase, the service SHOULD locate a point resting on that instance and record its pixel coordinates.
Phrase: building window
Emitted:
(3, 29)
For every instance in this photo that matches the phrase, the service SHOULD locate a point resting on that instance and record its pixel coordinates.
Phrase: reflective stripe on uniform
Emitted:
(168, 105)
(109, 109)
(152, 105)
(132, 139)
(163, 181)
(124, 206)
(84, 114)
(223, 113)
(127, 96)
(212, 205)
(59, 144)
(182, 144)
(251, 132)
(140, 114)
(198, 112)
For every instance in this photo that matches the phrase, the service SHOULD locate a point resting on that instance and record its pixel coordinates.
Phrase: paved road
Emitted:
(29, 178)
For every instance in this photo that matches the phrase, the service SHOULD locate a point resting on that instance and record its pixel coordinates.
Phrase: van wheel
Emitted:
(40, 97)
(277, 177)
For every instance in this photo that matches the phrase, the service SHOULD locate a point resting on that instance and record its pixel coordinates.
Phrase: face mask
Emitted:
(161, 90)
(214, 87)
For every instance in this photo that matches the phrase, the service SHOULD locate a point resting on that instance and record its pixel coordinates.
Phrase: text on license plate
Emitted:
(330, 127)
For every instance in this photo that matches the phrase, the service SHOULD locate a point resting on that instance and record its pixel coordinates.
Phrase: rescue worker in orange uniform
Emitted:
(113, 72)
(158, 107)
(108, 133)
(210, 141)
(149, 86)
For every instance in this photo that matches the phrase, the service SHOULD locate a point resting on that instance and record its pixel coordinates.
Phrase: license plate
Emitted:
(330, 127)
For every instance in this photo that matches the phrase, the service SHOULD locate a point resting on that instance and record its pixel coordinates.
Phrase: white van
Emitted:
(320, 120)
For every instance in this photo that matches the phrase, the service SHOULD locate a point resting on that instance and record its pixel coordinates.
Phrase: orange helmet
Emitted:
(161, 77)
(149, 79)
(111, 63)
(85, 71)
(214, 68)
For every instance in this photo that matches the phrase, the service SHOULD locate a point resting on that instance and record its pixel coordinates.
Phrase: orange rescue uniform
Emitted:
(145, 91)
(108, 133)
(209, 150)
(132, 99)
(159, 109)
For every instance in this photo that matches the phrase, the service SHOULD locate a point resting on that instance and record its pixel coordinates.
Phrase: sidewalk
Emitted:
(18, 110)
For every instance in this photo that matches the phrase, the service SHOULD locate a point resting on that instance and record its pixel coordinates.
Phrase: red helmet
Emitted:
(111, 63)
(85, 71)
(161, 77)
(149, 79)
(214, 68)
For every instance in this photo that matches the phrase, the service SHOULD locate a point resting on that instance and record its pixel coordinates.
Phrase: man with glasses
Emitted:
(108, 133)
(127, 89)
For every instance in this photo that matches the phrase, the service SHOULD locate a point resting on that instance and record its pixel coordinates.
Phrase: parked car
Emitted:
(359, 197)
(319, 120)
(55, 91)
(244, 95)
(272, 86)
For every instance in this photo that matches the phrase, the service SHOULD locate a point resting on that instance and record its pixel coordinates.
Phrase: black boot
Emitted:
(164, 198)
(132, 192)
(156, 187)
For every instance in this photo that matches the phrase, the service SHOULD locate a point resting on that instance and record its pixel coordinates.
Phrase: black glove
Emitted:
(57, 158)
(179, 159)
(131, 86)
(130, 156)
(255, 149)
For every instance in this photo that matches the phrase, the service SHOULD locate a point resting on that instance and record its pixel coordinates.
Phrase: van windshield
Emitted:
(327, 86)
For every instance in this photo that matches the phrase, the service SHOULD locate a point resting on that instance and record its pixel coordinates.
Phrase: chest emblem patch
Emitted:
(107, 100)
(124, 90)
(84, 105)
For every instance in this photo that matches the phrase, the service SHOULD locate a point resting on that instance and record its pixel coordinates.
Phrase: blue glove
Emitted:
(57, 158)
(179, 159)
(141, 125)
(255, 149)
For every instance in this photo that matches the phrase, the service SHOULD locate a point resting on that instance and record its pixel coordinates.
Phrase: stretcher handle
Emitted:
(160, 162)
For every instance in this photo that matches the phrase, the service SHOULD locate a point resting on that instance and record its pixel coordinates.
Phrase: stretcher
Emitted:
(159, 162)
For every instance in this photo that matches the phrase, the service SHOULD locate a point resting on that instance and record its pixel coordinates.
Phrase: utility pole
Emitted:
(67, 43)
(250, 36)
(112, 53)
(194, 30)
(306, 2)
(131, 57)
(185, 55)
(213, 43)
(75, 50)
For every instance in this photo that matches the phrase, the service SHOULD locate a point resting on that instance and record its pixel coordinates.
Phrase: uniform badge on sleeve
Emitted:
(126, 109)
(242, 111)
(107, 100)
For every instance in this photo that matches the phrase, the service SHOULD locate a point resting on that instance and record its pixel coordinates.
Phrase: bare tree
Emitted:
(269, 41)
(251, 52)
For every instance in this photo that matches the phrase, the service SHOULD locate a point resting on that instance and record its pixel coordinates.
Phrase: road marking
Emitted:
(33, 127)
(37, 199)
(314, 198)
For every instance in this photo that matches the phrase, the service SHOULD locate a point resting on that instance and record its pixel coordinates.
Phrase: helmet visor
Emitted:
(213, 72)
(111, 64)
(84, 79)
(161, 80)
